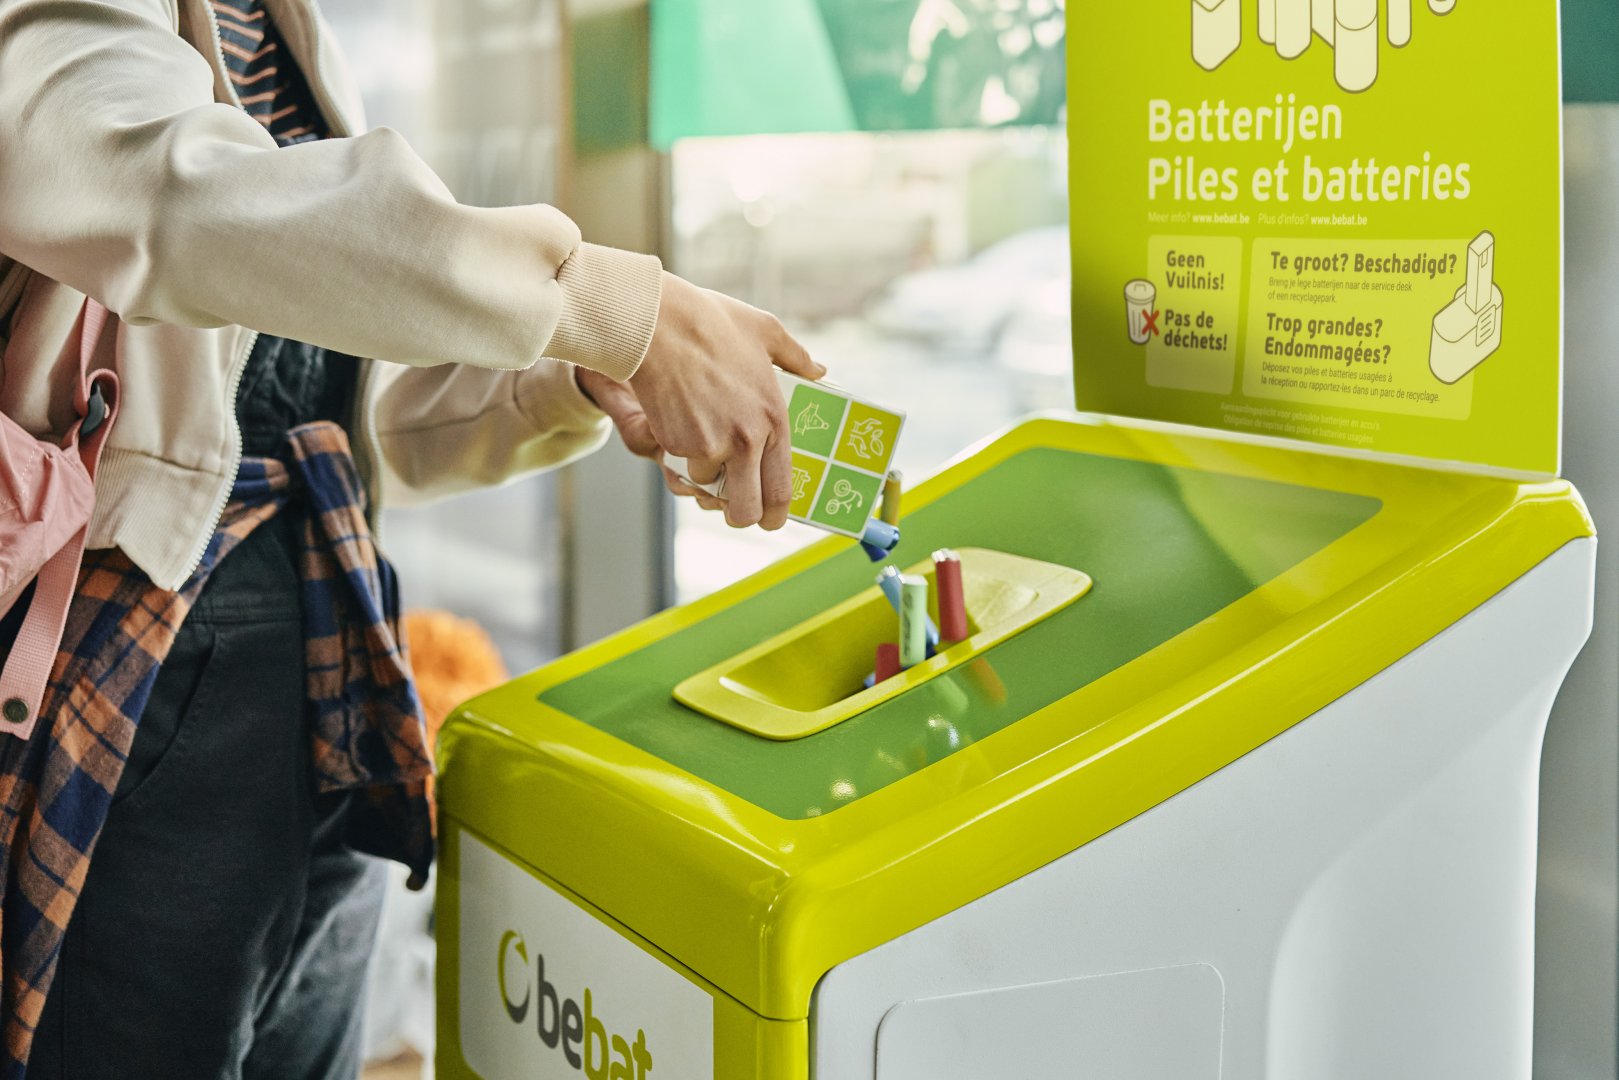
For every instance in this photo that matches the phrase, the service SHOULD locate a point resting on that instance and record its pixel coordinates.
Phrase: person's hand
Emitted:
(623, 408)
(708, 393)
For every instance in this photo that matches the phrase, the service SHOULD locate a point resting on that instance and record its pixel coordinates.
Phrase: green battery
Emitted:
(913, 620)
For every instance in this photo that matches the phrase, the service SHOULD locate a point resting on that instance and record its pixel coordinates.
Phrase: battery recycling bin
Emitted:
(1235, 777)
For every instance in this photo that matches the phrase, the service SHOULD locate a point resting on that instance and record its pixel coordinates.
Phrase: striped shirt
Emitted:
(264, 74)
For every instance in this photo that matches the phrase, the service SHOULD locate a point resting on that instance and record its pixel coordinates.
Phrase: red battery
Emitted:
(887, 661)
(952, 602)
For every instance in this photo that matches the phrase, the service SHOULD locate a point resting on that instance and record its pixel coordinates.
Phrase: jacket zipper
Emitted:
(220, 70)
(371, 468)
(239, 369)
(333, 117)
(315, 77)
(369, 458)
(223, 499)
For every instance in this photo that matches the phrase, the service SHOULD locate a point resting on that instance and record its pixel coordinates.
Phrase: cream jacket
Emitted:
(127, 172)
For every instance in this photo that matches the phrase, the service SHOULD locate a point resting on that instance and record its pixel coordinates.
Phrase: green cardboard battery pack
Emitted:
(842, 449)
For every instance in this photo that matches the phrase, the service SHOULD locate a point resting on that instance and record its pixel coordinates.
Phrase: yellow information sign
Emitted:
(1287, 216)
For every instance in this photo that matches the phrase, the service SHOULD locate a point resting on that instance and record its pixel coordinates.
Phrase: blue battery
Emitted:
(880, 539)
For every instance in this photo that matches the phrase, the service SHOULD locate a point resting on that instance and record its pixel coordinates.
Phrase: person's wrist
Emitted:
(669, 307)
(581, 380)
(610, 305)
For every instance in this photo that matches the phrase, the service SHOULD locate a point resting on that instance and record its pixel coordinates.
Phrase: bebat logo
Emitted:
(512, 941)
(579, 1032)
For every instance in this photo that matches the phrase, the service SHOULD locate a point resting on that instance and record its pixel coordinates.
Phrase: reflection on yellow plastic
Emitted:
(809, 678)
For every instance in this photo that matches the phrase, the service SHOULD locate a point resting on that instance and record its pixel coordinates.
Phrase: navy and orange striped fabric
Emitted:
(265, 75)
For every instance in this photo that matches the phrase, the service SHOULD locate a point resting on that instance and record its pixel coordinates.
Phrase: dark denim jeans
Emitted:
(224, 930)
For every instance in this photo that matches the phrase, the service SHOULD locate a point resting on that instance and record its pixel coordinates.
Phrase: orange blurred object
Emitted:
(454, 659)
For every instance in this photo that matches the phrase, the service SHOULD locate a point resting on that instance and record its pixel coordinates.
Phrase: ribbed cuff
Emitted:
(609, 309)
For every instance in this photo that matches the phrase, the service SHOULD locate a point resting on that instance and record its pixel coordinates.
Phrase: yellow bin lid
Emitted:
(1223, 591)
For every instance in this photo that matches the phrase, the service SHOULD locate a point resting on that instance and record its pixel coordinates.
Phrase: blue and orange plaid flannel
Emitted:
(365, 718)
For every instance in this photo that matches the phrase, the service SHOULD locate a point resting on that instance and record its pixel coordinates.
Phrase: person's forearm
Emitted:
(121, 177)
(446, 430)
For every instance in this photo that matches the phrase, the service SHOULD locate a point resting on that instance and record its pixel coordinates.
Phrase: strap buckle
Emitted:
(95, 413)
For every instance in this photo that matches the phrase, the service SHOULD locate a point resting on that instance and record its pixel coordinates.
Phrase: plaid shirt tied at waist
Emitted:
(364, 715)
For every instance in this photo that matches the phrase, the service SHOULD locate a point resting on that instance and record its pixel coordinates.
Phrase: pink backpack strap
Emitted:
(28, 668)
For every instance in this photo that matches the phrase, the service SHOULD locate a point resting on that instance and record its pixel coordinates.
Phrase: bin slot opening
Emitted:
(811, 676)
(829, 663)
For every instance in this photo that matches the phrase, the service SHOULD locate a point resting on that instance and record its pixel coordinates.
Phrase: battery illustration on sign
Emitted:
(1468, 331)
(1216, 30)
(1349, 27)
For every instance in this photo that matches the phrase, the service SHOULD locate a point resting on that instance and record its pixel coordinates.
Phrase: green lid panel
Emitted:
(1168, 547)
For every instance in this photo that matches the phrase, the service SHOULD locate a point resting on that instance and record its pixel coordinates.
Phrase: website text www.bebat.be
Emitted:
(1233, 218)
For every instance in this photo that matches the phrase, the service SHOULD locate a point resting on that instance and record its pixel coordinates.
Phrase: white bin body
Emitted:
(1354, 900)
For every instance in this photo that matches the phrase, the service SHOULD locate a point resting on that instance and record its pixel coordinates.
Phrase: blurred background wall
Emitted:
(1577, 943)
(1578, 899)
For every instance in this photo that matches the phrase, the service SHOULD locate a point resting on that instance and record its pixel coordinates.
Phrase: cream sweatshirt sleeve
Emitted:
(445, 430)
(120, 176)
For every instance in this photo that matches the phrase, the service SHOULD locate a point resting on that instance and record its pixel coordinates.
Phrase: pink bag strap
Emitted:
(28, 668)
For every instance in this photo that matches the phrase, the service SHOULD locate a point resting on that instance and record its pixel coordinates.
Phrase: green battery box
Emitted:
(842, 449)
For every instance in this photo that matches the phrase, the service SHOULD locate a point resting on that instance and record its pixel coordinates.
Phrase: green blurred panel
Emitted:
(737, 67)
(921, 64)
(1168, 548)
(610, 81)
(743, 67)
(1591, 50)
